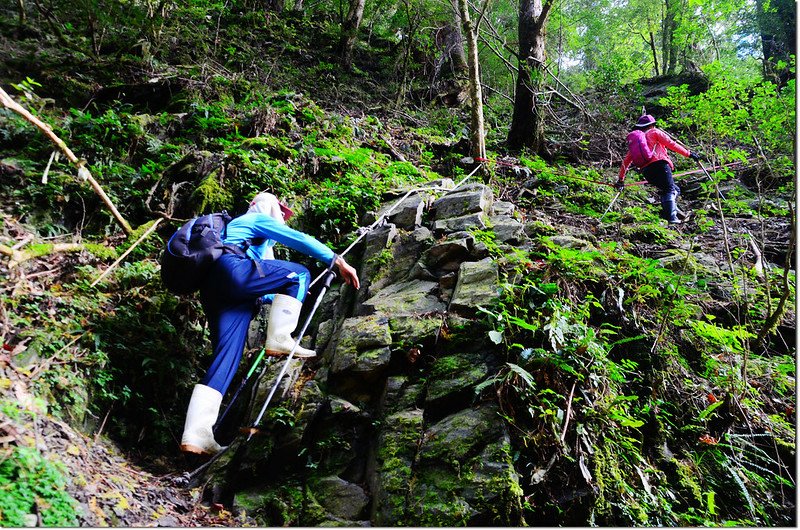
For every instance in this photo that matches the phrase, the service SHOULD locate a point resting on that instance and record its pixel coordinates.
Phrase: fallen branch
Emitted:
(83, 172)
(397, 154)
(20, 256)
(124, 254)
(569, 411)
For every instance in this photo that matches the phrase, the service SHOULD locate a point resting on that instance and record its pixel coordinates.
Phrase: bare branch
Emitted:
(83, 172)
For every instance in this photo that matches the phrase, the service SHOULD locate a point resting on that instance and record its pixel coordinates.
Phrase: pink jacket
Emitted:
(659, 142)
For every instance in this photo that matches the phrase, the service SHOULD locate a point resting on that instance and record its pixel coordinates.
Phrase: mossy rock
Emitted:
(461, 435)
(477, 285)
(400, 394)
(211, 196)
(413, 330)
(396, 451)
(464, 201)
(408, 298)
(454, 375)
(482, 490)
(362, 345)
(344, 500)
(274, 146)
(459, 224)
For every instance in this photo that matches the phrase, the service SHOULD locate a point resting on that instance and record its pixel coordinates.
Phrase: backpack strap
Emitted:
(242, 251)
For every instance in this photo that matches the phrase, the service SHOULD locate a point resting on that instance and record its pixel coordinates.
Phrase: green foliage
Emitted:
(30, 484)
(585, 378)
(564, 353)
(758, 115)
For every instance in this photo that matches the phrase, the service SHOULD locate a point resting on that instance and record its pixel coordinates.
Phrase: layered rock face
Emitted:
(391, 431)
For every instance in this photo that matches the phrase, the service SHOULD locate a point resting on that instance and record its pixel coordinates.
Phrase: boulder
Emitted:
(395, 454)
(396, 260)
(406, 298)
(340, 498)
(465, 474)
(572, 242)
(507, 229)
(361, 346)
(461, 435)
(500, 208)
(454, 376)
(400, 395)
(412, 329)
(464, 201)
(477, 285)
(448, 255)
(455, 224)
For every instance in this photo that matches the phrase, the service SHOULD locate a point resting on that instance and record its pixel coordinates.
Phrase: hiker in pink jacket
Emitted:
(658, 169)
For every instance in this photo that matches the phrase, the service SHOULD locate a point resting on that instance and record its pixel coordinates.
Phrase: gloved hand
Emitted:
(620, 184)
(696, 156)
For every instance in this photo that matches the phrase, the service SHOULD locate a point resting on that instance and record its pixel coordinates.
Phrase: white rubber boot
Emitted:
(283, 316)
(198, 436)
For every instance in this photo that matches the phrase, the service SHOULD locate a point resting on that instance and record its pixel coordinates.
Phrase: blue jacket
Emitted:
(260, 225)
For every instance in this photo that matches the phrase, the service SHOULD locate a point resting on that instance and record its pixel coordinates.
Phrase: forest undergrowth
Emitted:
(652, 369)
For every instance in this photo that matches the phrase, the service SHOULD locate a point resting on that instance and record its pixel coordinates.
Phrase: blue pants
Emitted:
(229, 298)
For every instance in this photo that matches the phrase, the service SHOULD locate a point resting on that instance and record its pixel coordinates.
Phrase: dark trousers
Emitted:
(229, 302)
(659, 174)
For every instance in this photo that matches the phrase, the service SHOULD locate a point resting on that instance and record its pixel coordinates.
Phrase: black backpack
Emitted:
(192, 250)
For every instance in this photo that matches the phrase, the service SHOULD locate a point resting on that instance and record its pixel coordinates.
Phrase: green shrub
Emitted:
(31, 484)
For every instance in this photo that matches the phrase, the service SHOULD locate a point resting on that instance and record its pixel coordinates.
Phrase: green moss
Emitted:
(403, 438)
(647, 233)
(40, 249)
(614, 491)
(380, 263)
(101, 251)
(275, 146)
(449, 365)
(210, 196)
(30, 484)
(688, 480)
(313, 513)
(282, 505)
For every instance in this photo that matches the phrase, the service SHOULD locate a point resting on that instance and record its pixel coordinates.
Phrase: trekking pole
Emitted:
(610, 205)
(328, 277)
(239, 390)
(708, 176)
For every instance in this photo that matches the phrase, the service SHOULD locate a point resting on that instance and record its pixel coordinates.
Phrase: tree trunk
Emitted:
(274, 6)
(454, 44)
(527, 122)
(654, 52)
(477, 136)
(776, 23)
(669, 52)
(350, 32)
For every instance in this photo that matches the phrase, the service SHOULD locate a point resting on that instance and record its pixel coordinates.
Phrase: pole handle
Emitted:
(328, 278)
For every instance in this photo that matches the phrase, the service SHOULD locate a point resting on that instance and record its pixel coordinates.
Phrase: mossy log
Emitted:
(39, 250)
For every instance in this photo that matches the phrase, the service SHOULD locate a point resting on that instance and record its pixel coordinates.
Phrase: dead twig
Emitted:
(125, 254)
(83, 172)
(569, 411)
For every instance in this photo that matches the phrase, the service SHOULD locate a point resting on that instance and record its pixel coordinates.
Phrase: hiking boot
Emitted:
(198, 434)
(283, 316)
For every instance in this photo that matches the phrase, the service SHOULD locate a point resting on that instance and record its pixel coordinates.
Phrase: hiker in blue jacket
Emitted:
(229, 297)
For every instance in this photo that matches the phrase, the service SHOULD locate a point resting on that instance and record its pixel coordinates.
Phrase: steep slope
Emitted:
(515, 355)
(422, 411)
